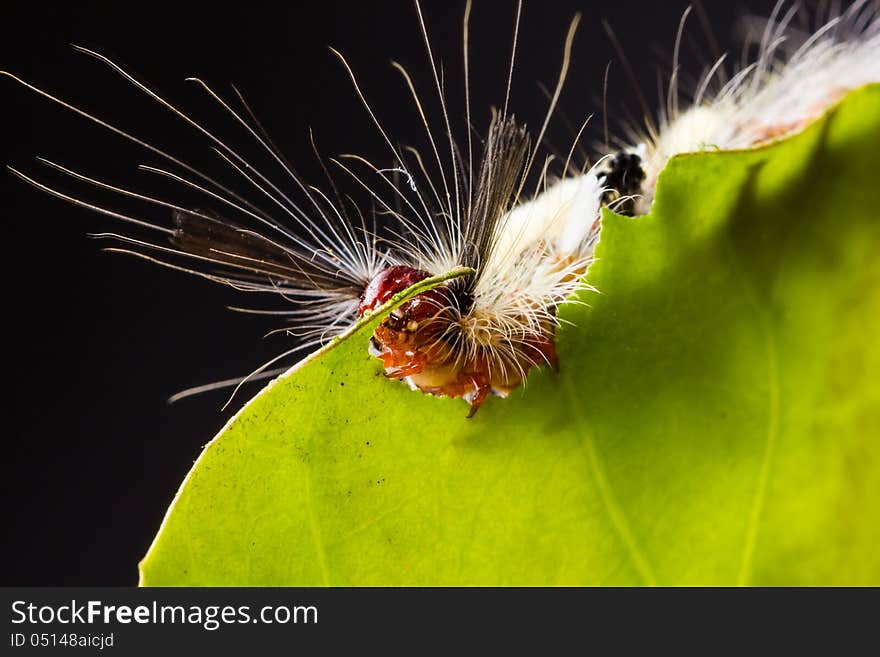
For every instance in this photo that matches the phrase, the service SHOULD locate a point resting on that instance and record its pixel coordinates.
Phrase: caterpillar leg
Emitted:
(478, 396)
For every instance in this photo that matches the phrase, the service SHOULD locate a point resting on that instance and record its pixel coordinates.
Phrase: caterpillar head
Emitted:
(415, 323)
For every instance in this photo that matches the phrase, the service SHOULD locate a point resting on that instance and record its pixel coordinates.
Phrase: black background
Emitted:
(95, 343)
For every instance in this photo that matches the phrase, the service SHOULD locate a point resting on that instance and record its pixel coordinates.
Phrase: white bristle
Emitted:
(792, 80)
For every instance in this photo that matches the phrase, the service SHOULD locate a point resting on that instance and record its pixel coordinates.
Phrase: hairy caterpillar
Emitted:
(459, 203)
(462, 202)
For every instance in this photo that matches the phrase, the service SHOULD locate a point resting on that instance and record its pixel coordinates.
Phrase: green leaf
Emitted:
(716, 419)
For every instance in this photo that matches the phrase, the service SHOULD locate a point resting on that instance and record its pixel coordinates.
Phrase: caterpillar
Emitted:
(490, 203)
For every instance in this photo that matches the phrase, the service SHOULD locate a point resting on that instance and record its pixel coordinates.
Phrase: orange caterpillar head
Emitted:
(411, 336)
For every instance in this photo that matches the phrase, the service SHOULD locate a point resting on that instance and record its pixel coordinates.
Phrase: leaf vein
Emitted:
(606, 494)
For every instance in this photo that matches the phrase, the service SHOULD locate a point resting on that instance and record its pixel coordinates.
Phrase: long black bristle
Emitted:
(501, 168)
(223, 241)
